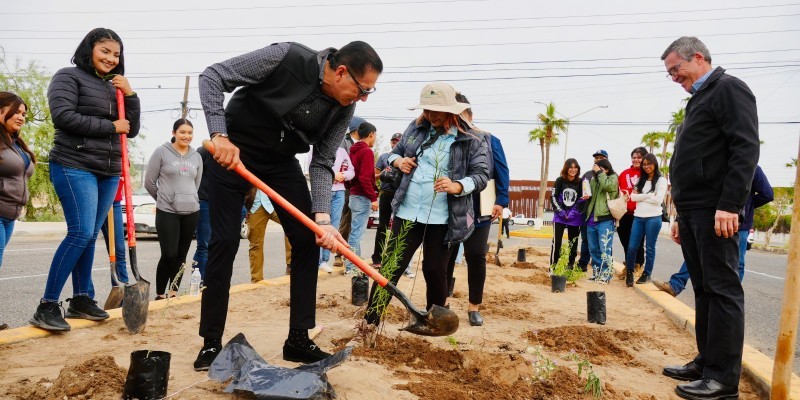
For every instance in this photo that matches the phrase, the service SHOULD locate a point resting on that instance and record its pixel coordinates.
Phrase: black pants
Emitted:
(583, 262)
(475, 254)
(713, 263)
(435, 255)
(505, 228)
(175, 232)
(384, 216)
(344, 222)
(624, 231)
(284, 175)
(572, 236)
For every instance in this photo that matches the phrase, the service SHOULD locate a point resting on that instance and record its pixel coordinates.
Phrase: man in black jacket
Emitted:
(290, 97)
(711, 170)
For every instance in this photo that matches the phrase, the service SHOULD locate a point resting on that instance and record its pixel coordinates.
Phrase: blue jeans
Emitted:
(85, 199)
(119, 242)
(337, 203)
(601, 239)
(360, 208)
(203, 234)
(679, 279)
(6, 228)
(643, 228)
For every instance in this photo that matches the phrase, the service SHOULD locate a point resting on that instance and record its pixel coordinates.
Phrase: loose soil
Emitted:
(528, 348)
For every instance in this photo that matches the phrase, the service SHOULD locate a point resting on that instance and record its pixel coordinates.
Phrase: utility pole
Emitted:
(185, 102)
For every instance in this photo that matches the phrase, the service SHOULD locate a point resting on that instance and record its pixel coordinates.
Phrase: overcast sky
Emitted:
(504, 55)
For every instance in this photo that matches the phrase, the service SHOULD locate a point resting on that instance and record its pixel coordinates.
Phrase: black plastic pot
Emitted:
(521, 255)
(596, 307)
(148, 375)
(558, 284)
(360, 290)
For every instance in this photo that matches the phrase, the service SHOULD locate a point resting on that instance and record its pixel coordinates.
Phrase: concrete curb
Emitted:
(532, 235)
(23, 333)
(756, 366)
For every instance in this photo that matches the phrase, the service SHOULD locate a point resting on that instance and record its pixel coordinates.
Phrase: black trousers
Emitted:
(506, 229)
(713, 263)
(175, 232)
(475, 254)
(284, 175)
(583, 262)
(572, 235)
(624, 231)
(384, 216)
(435, 255)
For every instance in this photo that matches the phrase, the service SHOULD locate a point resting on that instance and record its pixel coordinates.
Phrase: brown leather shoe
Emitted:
(665, 287)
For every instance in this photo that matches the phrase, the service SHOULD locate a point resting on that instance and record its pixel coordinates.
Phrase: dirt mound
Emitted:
(96, 378)
(538, 278)
(598, 344)
(525, 265)
(434, 373)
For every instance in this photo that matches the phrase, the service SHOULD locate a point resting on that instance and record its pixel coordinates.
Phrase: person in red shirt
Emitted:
(627, 181)
(363, 193)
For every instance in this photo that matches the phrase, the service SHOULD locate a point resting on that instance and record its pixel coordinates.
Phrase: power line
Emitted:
(329, 4)
(576, 123)
(416, 30)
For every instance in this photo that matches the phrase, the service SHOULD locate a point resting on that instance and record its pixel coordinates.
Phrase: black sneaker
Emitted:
(308, 353)
(207, 355)
(48, 317)
(3, 326)
(85, 308)
(628, 278)
(643, 279)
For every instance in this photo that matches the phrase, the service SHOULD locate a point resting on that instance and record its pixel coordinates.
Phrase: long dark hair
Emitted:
(650, 158)
(567, 165)
(83, 54)
(12, 101)
(605, 164)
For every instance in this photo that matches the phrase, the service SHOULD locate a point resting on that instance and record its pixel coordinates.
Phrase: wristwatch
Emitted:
(225, 135)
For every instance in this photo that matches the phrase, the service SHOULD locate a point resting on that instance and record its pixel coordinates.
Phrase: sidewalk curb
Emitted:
(756, 366)
(23, 333)
(532, 235)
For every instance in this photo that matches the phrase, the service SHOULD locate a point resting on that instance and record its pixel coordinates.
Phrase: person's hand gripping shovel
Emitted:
(136, 298)
(438, 321)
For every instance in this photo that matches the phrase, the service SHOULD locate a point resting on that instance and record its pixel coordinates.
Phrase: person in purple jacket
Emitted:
(567, 202)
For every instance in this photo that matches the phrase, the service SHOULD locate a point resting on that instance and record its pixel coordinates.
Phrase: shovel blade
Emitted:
(114, 299)
(438, 321)
(135, 305)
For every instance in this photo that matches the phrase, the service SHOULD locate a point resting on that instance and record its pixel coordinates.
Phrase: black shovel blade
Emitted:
(135, 304)
(438, 321)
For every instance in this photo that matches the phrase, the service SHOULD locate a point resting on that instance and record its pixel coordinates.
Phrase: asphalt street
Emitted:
(27, 262)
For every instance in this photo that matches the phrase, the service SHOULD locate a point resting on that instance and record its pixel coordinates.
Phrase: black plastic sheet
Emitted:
(251, 373)
(596, 307)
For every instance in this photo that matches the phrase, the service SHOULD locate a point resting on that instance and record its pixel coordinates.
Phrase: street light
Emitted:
(566, 134)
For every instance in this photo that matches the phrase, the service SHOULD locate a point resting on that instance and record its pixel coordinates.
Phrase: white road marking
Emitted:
(41, 275)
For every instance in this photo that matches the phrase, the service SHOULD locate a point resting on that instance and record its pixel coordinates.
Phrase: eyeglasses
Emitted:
(361, 91)
(673, 72)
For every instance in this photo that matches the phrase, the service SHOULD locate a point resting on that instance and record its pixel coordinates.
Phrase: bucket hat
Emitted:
(439, 96)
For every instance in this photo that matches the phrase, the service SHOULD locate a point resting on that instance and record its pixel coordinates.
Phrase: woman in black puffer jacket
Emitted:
(85, 164)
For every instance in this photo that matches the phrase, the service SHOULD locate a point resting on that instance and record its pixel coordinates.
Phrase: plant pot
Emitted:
(558, 284)
(521, 253)
(359, 290)
(148, 375)
(596, 307)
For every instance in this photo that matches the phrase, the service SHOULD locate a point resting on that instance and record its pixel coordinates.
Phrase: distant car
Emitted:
(521, 220)
(144, 217)
(372, 222)
(138, 198)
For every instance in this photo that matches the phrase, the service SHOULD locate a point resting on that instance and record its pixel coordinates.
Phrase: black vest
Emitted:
(255, 114)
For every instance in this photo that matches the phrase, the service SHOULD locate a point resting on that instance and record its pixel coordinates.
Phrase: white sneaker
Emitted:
(409, 273)
(325, 267)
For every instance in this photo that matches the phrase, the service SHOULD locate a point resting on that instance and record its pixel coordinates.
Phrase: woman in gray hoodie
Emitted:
(172, 178)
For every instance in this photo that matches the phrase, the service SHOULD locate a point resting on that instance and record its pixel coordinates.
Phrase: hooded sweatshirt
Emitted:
(173, 179)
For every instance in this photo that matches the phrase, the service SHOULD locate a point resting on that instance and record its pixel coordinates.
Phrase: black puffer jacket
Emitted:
(84, 107)
(468, 158)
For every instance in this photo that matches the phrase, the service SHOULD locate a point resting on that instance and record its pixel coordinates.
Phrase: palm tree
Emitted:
(667, 137)
(652, 140)
(677, 119)
(547, 134)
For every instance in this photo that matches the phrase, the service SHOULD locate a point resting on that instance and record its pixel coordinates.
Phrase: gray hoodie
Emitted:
(173, 179)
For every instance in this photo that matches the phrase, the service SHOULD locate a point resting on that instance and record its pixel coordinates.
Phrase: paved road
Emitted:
(27, 260)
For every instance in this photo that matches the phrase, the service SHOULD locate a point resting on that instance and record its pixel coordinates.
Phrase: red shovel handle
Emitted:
(278, 199)
(126, 173)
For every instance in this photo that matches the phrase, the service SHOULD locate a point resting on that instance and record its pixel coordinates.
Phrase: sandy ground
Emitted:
(529, 347)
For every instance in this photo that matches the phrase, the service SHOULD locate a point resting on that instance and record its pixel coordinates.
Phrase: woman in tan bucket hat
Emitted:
(443, 160)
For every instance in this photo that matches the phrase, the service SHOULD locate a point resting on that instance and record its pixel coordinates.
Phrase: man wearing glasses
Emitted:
(289, 97)
(711, 171)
